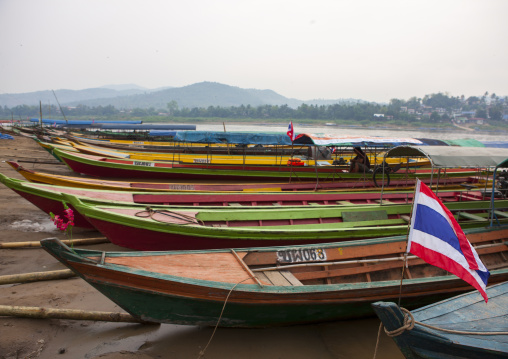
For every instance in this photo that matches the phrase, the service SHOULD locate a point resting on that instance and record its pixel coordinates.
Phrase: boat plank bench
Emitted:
(471, 216)
(279, 278)
(345, 203)
(501, 214)
(359, 216)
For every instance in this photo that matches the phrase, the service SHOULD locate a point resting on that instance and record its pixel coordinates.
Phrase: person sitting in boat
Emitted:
(360, 163)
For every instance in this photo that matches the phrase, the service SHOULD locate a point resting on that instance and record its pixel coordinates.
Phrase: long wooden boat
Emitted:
(276, 286)
(226, 186)
(49, 198)
(184, 147)
(168, 228)
(235, 159)
(126, 168)
(466, 313)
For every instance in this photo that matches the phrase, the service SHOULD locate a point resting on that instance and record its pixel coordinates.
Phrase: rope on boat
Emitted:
(202, 353)
(409, 323)
(149, 212)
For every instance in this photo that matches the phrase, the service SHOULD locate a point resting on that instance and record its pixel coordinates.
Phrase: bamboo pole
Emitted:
(72, 314)
(96, 240)
(36, 276)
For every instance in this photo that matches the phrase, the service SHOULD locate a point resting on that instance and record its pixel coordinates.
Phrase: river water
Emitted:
(454, 134)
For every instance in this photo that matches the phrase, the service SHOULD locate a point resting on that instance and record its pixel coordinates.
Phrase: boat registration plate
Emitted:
(301, 255)
(146, 164)
(201, 160)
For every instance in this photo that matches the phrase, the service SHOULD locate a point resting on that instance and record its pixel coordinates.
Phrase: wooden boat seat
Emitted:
(471, 216)
(360, 216)
(501, 214)
(406, 218)
(345, 203)
(278, 278)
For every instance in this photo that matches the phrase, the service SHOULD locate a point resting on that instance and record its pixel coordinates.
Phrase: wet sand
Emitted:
(55, 338)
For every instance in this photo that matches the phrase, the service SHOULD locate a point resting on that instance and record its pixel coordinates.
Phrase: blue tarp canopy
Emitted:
(244, 138)
(50, 121)
(162, 133)
(498, 144)
(147, 126)
(4, 136)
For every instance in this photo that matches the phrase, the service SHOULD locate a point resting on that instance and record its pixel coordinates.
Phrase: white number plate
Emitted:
(146, 164)
(301, 255)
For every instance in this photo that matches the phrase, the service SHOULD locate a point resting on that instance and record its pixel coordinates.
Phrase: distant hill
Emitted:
(203, 94)
(65, 97)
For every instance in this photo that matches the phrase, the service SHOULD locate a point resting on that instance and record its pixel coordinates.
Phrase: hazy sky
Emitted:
(374, 50)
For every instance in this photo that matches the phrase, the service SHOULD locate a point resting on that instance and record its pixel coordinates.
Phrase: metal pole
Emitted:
(492, 196)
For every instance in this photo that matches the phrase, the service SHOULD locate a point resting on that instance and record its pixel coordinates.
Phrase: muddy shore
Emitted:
(21, 221)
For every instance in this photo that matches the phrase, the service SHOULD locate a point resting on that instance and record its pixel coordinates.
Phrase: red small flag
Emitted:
(291, 132)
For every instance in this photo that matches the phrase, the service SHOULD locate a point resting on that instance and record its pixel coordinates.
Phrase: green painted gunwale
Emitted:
(324, 231)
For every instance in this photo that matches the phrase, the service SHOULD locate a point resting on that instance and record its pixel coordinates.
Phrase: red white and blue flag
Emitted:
(436, 237)
(291, 132)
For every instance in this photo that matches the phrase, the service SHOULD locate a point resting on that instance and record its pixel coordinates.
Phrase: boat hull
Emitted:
(140, 229)
(466, 312)
(178, 299)
(119, 168)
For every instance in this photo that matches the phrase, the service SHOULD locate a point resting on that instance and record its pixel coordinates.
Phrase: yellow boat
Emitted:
(209, 158)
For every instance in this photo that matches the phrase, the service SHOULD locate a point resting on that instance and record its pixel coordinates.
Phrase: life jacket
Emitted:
(296, 162)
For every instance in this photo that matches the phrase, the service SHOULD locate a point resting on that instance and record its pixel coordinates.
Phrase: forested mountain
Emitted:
(203, 94)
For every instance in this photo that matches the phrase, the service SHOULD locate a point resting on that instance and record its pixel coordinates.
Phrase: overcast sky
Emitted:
(373, 50)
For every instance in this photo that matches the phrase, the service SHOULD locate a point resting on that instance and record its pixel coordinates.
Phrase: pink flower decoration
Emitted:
(59, 222)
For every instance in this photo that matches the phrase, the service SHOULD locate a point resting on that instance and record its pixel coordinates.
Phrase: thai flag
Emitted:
(436, 237)
(291, 132)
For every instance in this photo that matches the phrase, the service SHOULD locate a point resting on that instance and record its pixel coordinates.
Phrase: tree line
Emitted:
(486, 106)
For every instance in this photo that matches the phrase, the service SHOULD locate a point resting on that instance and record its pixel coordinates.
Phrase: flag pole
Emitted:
(291, 173)
(404, 264)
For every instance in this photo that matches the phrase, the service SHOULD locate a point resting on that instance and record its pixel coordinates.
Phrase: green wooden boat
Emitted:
(276, 286)
(170, 228)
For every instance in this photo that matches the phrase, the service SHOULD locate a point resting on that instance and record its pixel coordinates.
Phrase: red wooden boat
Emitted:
(49, 198)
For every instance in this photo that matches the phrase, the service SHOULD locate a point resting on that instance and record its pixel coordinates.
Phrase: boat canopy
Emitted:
(145, 126)
(466, 142)
(244, 138)
(50, 121)
(303, 139)
(500, 144)
(327, 140)
(162, 133)
(453, 156)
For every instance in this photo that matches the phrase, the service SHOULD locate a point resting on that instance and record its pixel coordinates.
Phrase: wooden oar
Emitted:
(13, 245)
(72, 314)
(36, 276)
